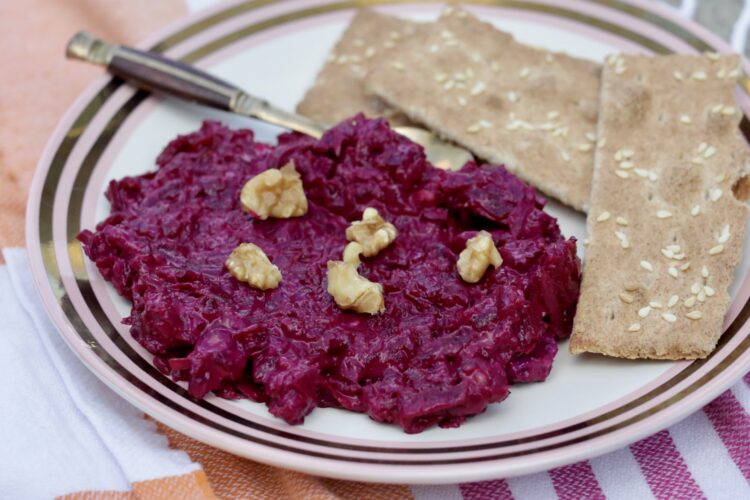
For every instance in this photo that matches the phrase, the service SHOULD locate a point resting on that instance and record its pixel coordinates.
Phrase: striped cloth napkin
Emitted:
(63, 433)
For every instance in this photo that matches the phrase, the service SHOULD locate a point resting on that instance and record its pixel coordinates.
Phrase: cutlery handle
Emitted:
(154, 72)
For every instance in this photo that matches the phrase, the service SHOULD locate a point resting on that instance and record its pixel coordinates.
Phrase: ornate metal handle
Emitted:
(154, 72)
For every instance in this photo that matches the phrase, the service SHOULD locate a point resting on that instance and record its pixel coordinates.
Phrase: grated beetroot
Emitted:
(442, 351)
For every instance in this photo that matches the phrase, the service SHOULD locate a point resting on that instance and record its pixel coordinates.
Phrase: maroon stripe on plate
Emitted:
(497, 490)
(664, 469)
(732, 423)
(576, 481)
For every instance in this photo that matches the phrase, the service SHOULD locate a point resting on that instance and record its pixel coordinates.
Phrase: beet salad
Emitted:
(435, 348)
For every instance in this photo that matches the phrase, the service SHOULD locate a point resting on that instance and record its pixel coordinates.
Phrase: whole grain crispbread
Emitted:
(665, 226)
(532, 110)
(338, 91)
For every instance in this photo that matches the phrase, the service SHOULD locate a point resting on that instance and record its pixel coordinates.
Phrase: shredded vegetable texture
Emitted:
(443, 349)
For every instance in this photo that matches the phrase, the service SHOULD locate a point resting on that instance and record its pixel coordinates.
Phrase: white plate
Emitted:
(589, 404)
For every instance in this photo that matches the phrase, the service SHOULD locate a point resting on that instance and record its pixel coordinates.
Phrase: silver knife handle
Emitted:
(155, 72)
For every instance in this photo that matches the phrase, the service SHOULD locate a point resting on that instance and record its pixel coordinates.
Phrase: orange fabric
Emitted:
(36, 87)
(237, 478)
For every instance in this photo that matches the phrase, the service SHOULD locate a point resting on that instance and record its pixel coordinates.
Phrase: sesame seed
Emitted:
(689, 302)
(620, 70)
(655, 305)
(369, 52)
(549, 58)
(717, 108)
(702, 147)
(694, 315)
(524, 72)
(394, 35)
(440, 77)
(716, 250)
(674, 299)
(446, 34)
(622, 174)
(485, 123)
(547, 126)
(701, 296)
(622, 221)
(586, 242)
(552, 115)
(451, 42)
(721, 73)
(398, 65)
(584, 146)
(459, 76)
(641, 172)
(591, 136)
(623, 239)
(647, 265)
(697, 160)
(669, 317)
(461, 14)
(478, 88)
(449, 85)
(704, 272)
(720, 178)
(710, 151)
(627, 298)
(448, 10)
(627, 153)
(699, 75)
(474, 128)
(618, 155)
(663, 214)
(667, 253)
(674, 248)
(695, 210)
(711, 55)
(626, 164)
(644, 311)
(602, 142)
(564, 155)
(494, 66)
(678, 75)
(710, 292)
(728, 110)
(734, 73)
(724, 236)
(434, 48)
(389, 44)
(631, 286)
(634, 327)
(715, 194)
(672, 271)
(512, 96)
(685, 266)
(563, 131)
(685, 119)
(461, 100)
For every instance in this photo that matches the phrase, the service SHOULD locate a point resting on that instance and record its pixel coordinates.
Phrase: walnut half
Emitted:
(372, 232)
(249, 263)
(349, 289)
(276, 193)
(479, 254)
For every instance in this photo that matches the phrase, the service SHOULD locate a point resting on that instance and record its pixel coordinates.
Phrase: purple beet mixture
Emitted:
(442, 351)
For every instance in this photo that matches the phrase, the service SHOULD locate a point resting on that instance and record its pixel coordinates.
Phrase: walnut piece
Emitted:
(479, 253)
(372, 232)
(276, 193)
(249, 263)
(349, 289)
